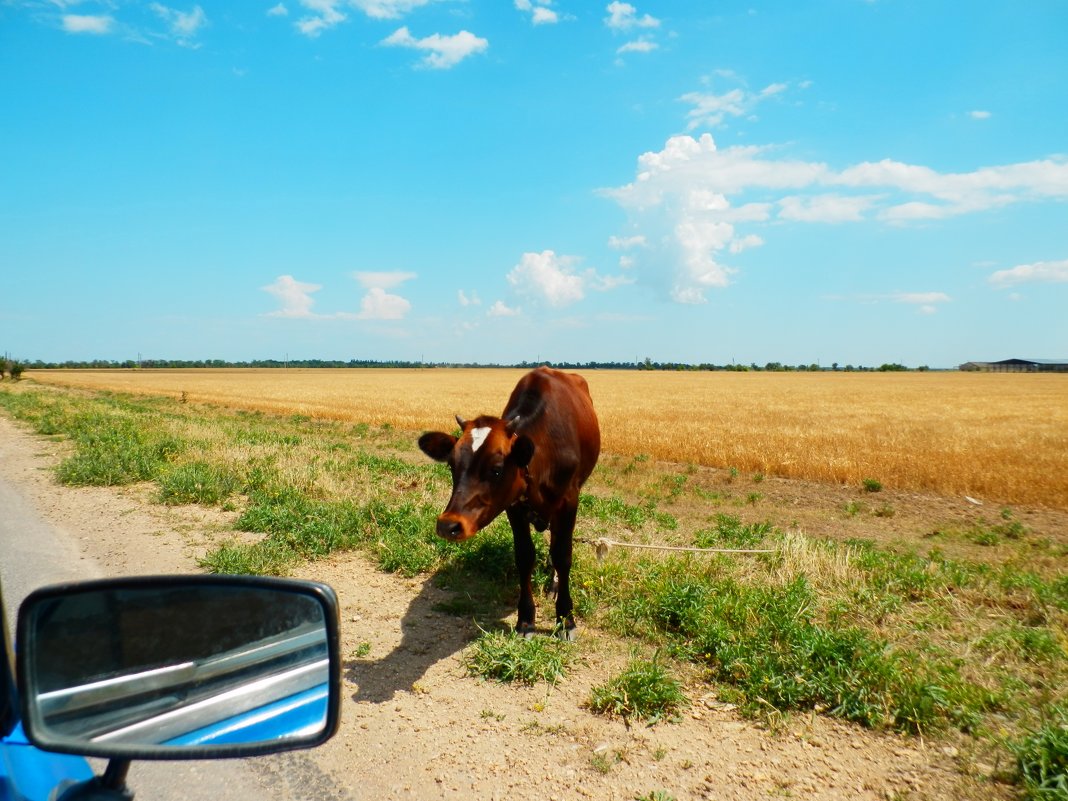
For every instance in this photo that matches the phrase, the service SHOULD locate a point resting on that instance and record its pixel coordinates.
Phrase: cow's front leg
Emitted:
(560, 546)
(518, 518)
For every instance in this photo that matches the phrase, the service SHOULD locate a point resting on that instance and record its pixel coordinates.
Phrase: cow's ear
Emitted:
(437, 445)
(522, 451)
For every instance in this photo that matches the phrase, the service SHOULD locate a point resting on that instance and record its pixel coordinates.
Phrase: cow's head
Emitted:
(488, 463)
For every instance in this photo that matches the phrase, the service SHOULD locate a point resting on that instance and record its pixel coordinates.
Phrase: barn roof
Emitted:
(1031, 361)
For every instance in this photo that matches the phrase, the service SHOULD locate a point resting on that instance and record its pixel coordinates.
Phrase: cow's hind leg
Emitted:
(524, 563)
(560, 546)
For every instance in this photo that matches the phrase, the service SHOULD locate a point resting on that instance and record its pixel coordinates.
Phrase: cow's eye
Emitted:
(496, 472)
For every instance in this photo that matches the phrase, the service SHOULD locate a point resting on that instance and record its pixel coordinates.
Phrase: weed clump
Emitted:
(644, 691)
(508, 657)
(1042, 758)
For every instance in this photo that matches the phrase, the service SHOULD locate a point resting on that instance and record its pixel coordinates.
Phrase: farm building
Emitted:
(1018, 366)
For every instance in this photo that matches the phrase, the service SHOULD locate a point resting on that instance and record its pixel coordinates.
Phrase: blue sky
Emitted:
(509, 180)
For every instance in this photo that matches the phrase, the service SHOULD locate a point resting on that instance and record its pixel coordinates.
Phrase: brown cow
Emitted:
(529, 463)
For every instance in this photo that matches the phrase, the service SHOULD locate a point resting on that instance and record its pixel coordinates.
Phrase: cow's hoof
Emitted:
(525, 630)
(566, 634)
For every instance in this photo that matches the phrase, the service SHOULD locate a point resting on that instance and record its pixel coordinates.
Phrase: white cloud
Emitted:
(544, 16)
(744, 243)
(712, 110)
(1041, 272)
(184, 25)
(499, 309)
(80, 23)
(638, 46)
(824, 208)
(378, 304)
(382, 280)
(979, 115)
(539, 10)
(689, 199)
(387, 9)
(548, 277)
(466, 300)
(295, 297)
(278, 11)
(325, 14)
(443, 52)
(624, 17)
(921, 298)
(625, 242)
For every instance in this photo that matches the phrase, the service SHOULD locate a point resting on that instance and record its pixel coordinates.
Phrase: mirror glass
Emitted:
(173, 667)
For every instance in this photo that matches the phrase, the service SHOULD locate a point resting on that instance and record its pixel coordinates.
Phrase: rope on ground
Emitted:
(603, 545)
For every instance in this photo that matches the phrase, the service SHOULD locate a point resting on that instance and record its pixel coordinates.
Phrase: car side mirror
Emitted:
(188, 667)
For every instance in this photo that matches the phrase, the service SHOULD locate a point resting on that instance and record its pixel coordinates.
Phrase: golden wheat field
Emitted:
(998, 437)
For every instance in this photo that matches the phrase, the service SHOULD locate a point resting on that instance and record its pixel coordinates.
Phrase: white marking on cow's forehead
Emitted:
(478, 436)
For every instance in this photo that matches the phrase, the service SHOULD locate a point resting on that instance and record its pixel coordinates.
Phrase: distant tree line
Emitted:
(646, 364)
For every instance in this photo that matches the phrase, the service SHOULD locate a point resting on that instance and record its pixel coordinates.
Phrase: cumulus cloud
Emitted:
(548, 277)
(539, 10)
(468, 300)
(83, 23)
(442, 52)
(637, 46)
(324, 14)
(499, 309)
(624, 17)
(554, 279)
(692, 200)
(1041, 272)
(278, 11)
(378, 304)
(295, 297)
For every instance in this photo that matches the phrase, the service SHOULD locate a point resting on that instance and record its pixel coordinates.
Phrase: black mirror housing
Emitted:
(179, 667)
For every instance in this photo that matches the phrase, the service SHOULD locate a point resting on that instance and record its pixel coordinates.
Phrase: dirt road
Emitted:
(416, 726)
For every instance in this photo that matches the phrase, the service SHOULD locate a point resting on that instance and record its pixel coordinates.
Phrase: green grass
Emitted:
(644, 691)
(729, 532)
(1042, 758)
(508, 657)
(766, 641)
(197, 482)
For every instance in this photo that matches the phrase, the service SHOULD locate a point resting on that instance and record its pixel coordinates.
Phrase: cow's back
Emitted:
(555, 410)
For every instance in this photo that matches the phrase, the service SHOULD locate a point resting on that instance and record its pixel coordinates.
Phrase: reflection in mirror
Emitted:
(176, 666)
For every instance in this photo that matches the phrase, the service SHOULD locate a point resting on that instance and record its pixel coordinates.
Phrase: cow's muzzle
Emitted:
(455, 529)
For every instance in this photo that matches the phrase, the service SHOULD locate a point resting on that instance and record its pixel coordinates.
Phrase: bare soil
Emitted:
(415, 725)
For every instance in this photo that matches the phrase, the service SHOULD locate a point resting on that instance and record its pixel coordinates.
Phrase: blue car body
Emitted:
(27, 773)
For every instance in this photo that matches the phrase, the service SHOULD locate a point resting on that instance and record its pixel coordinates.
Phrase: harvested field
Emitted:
(1002, 438)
